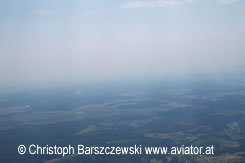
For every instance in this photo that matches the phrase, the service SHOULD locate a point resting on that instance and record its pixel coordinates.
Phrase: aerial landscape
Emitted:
(127, 81)
(160, 113)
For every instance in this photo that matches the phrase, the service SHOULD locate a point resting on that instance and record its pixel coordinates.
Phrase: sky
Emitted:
(82, 40)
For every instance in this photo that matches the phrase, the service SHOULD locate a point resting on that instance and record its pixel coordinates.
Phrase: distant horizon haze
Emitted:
(47, 41)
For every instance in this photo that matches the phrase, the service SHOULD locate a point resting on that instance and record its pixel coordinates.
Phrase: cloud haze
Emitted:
(59, 40)
(227, 2)
(157, 3)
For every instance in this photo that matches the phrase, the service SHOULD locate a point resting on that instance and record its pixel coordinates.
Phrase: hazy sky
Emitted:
(72, 40)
